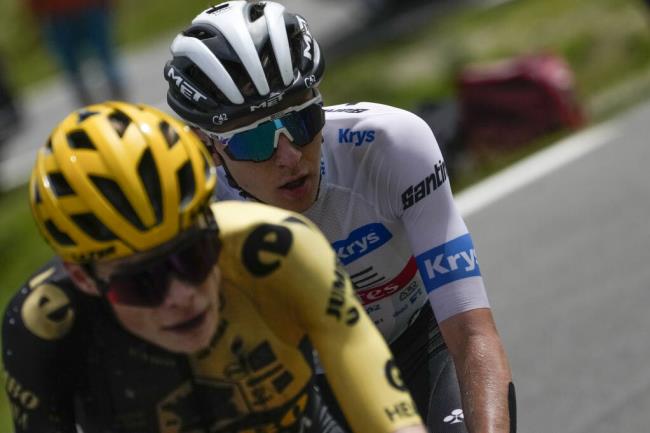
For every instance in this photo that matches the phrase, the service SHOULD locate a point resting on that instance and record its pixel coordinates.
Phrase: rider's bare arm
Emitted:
(482, 369)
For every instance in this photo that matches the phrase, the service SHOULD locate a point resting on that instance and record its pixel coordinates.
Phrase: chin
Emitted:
(302, 207)
(188, 344)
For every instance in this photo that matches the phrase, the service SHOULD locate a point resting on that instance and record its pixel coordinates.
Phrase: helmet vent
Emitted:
(57, 234)
(169, 133)
(256, 11)
(48, 145)
(80, 140)
(60, 186)
(149, 174)
(204, 83)
(270, 65)
(37, 193)
(93, 227)
(116, 197)
(199, 32)
(185, 176)
(85, 114)
(238, 73)
(119, 121)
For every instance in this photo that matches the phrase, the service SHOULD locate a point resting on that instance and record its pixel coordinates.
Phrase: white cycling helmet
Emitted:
(241, 60)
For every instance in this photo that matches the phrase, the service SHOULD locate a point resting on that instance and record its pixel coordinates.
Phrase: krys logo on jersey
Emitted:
(357, 138)
(361, 241)
(448, 262)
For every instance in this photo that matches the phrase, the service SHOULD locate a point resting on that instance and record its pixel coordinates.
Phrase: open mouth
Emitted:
(188, 325)
(295, 183)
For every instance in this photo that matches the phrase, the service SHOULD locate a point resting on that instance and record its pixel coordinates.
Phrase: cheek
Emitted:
(211, 287)
(137, 320)
(252, 176)
(312, 154)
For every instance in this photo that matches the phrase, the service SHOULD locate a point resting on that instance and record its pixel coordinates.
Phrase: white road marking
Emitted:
(534, 167)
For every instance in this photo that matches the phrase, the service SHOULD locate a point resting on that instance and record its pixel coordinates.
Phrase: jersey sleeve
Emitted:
(419, 194)
(36, 347)
(360, 367)
(290, 271)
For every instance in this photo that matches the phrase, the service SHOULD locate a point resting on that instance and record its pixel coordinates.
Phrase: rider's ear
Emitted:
(81, 279)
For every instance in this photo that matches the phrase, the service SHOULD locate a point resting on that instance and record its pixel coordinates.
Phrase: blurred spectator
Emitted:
(646, 3)
(9, 113)
(70, 27)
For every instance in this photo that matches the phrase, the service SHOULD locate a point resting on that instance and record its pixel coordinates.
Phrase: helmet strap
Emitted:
(233, 183)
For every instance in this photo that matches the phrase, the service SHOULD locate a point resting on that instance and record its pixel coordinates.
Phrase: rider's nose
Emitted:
(287, 155)
(179, 293)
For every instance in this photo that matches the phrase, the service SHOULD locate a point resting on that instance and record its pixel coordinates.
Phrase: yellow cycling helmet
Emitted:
(115, 179)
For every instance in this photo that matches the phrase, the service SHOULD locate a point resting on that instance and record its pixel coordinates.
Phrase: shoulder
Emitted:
(270, 254)
(381, 150)
(41, 349)
(260, 238)
(369, 128)
(237, 218)
(383, 119)
(45, 307)
(40, 330)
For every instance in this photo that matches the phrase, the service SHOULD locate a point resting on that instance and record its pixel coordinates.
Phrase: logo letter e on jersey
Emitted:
(265, 241)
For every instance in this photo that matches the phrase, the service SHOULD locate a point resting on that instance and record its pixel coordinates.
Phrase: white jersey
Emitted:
(386, 206)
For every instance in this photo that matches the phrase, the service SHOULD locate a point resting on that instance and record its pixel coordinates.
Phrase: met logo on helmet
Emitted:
(448, 262)
(185, 88)
(272, 101)
(361, 241)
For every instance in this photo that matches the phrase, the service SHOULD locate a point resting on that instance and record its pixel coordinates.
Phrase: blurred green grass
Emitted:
(606, 42)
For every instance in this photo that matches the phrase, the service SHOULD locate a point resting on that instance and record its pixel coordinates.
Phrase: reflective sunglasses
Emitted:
(145, 284)
(258, 142)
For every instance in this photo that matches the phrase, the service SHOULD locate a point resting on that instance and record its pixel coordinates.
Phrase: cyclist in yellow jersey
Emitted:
(162, 313)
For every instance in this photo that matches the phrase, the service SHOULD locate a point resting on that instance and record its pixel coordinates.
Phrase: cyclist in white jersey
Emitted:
(373, 179)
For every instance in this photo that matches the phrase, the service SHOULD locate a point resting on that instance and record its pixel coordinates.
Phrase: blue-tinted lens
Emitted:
(258, 144)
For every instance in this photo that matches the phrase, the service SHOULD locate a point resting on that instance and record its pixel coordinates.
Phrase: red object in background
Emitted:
(509, 103)
(46, 7)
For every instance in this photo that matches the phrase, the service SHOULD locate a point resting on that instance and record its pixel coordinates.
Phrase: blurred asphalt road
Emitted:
(47, 104)
(566, 260)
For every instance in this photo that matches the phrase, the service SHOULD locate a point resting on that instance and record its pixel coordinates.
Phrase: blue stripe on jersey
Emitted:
(448, 262)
